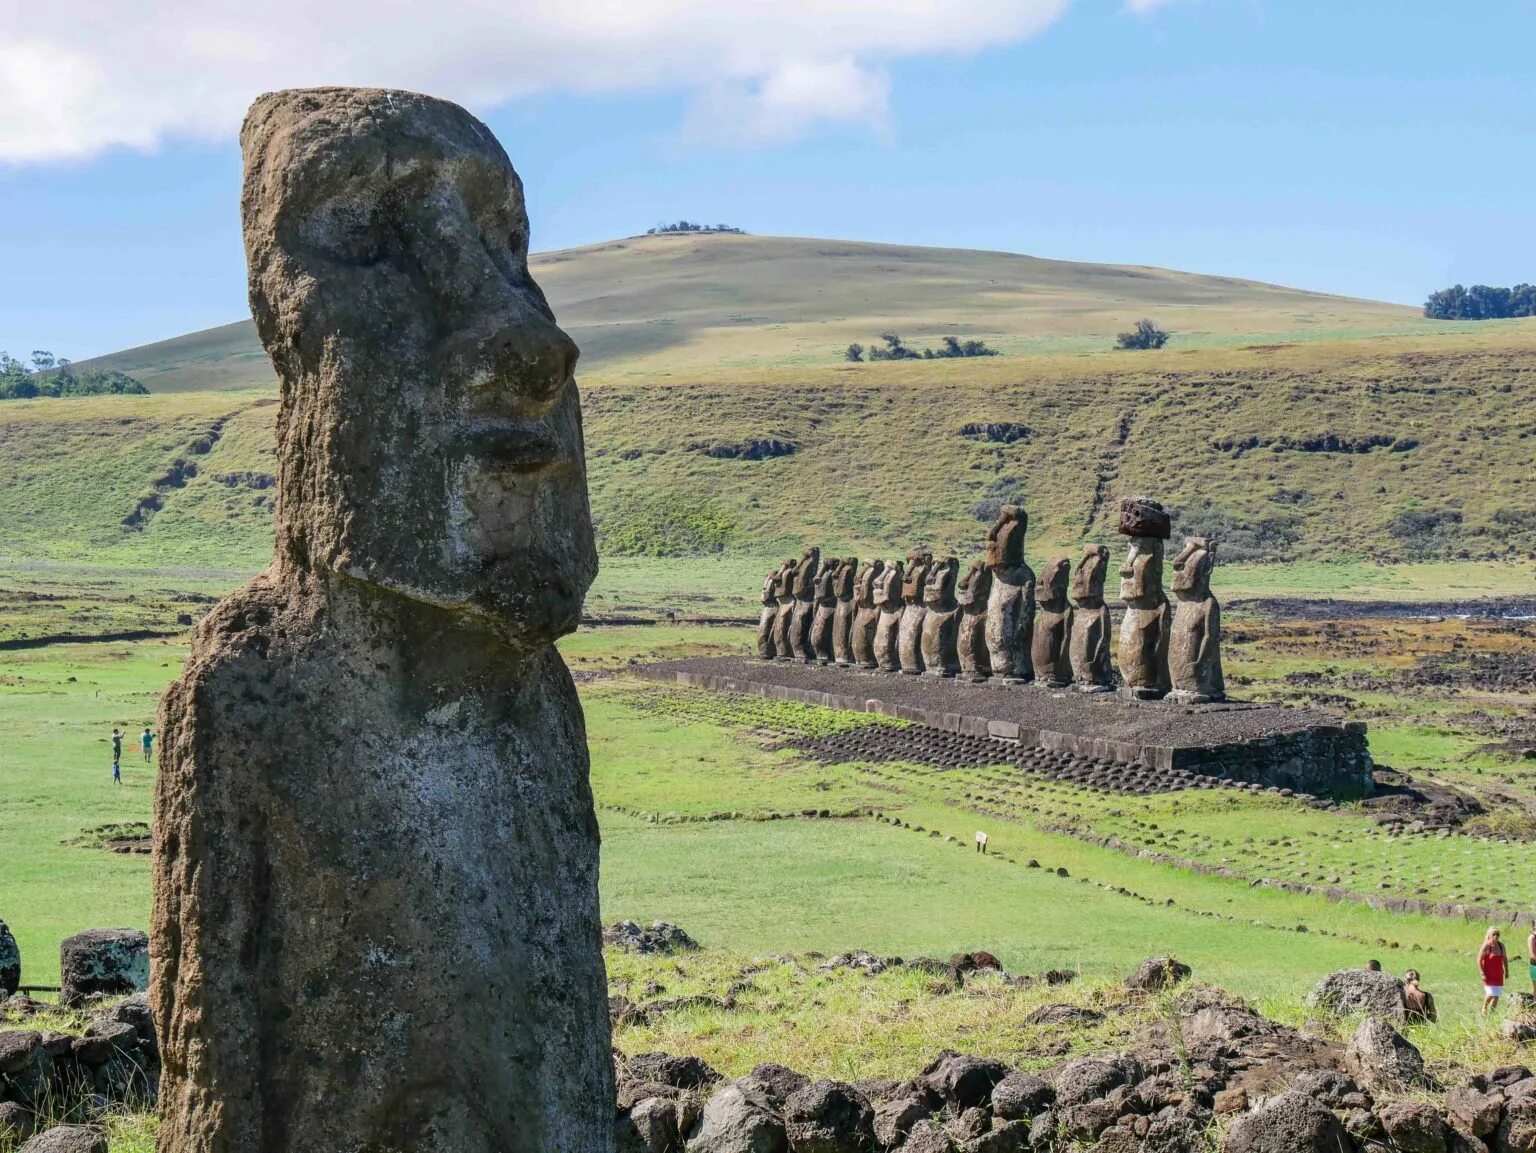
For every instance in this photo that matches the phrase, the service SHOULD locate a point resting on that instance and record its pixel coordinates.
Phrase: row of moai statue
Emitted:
(999, 623)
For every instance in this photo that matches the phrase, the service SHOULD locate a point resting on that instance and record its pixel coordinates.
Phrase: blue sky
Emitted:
(1370, 148)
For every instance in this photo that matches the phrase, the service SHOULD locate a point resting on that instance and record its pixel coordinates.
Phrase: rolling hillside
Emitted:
(657, 306)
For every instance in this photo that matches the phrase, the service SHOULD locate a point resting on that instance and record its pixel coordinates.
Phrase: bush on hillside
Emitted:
(1481, 302)
(55, 377)
(689, 226)
(1146, 334)
(895, 348)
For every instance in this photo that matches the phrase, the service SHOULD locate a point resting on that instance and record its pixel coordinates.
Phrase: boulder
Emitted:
(897, 1117)
(1086, 1079)
(1006, 1137)
(736, 1120)
(665, 1069)
(649, 1126)
(1476, 1112)
(963, 1081)
(662, 937)
(1325, 1086)
(775, 1082)
(1158, 973)
(10, 962)
(105, 962)
(1413, 1127)
(829, 1117)
(1290, 1123)
(1517, 1131)
(67, 1139)
(928, 1137)
(1377, 1055)
(17, 1122)
(861, 959)
(1360, 991)
(1019, 1097)
(1063, 1015)
(18, 1049)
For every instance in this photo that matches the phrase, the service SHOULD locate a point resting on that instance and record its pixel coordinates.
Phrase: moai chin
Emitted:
(971, 643)
(866, 615)
(1092, 669)
(842, 619)
(783, 623)
(1145, 627)
(1011, 602)
(375, 866)
(767, 621)
(803, 612)
(888, 599)
(941, 621)
(1194, 650)
(910, 637)
(1051, 648)
(825, 611)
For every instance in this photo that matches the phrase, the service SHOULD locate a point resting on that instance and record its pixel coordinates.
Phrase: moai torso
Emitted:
(803, 611)
(941, 623)
(1194, 651)
(1051, 649)
(1092, 668)
(842, 619)
(375, 919)
(910, 637)
(971, 643)
(1011, 602)
(888, 601)
(866, 614)
(1145, 627)
(825, 612)
(768, 621)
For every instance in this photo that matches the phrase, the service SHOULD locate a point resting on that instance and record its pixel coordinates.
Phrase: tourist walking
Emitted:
(117, 755)
(1493, 962)
(148, 743)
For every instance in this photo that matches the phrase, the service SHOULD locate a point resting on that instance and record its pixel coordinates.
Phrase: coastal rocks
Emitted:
(381, 931)
(102, 963)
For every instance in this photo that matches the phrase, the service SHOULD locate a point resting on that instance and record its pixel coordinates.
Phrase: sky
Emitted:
(1365, 147)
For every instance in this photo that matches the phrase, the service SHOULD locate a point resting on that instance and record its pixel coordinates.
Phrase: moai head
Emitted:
(939, 588)
(1192, 568)
(805, 574)
(826, 581)
(1051, 588)
(918, 564)
(784, 590)
(888, 587)
(975, 587)
(1088, 580)
(429, 441)
(1005, 539)
(1141, 577)
(866, 583)
(771, 587)
(846, 574)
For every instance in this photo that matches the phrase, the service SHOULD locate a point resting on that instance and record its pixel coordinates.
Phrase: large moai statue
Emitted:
(784, 621)
(866, 614)
(825, 611)
(842, 619)
(1092, 669)
(1194, 651)
(888, 599)
(941, 621)
(804, 609)
(913, 588)
(1011, 602)
(1051, 650)
(971, 641)
(375, 864)
(768, 619)
(1145, 627)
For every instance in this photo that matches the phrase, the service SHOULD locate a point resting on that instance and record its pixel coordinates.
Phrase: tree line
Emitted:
(689, 226)
(48, 375)
(1481, 302)
(895, 348)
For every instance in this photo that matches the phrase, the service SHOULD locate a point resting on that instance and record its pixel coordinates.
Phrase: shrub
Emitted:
(1266, 538)
(1146, 334)
(1481, 302)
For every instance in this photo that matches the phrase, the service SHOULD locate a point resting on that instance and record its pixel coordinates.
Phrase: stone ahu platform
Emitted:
(1299, 749)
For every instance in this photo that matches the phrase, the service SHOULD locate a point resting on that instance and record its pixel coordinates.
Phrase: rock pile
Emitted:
(662, 937)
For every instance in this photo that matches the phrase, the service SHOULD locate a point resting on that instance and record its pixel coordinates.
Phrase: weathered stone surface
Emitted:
(767, 621)
(1144, 517)
(1092, 668)
(803, 610)
(1413, 1127)
(67, 1139)
(105, 962)
(941, 620)
(737, 1120)
(1349, 991)
(1379, 1056)
(17, 1122)
(10, 962)
(1086, 1079)
(971, 642)
(661, 937)
(866, 614)
(914, 586)
(381, 930)
(829, 1117)
(1475, 1111)
(847, 608)
(1517, 1131)
(777, 1083)
(896, 1118)
(784, 618)
(965, 1082)
(1011, 600)
(825, 614)
(889, 586)
(1158, 973)
(1194, 647)
(649, 1126)
(1051, 647)
(678, 1072)
(1290, 1123)
(18, 1049)
(928, 1137)
(1019, 1097)
(1144, 630)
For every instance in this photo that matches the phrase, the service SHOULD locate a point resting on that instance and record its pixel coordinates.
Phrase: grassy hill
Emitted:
(662, 305)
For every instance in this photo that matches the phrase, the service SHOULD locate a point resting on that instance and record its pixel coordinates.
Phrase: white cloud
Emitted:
(1145, 7)
(80, 76)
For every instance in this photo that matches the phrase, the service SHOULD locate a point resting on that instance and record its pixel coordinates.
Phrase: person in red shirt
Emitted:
(1494, 964)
